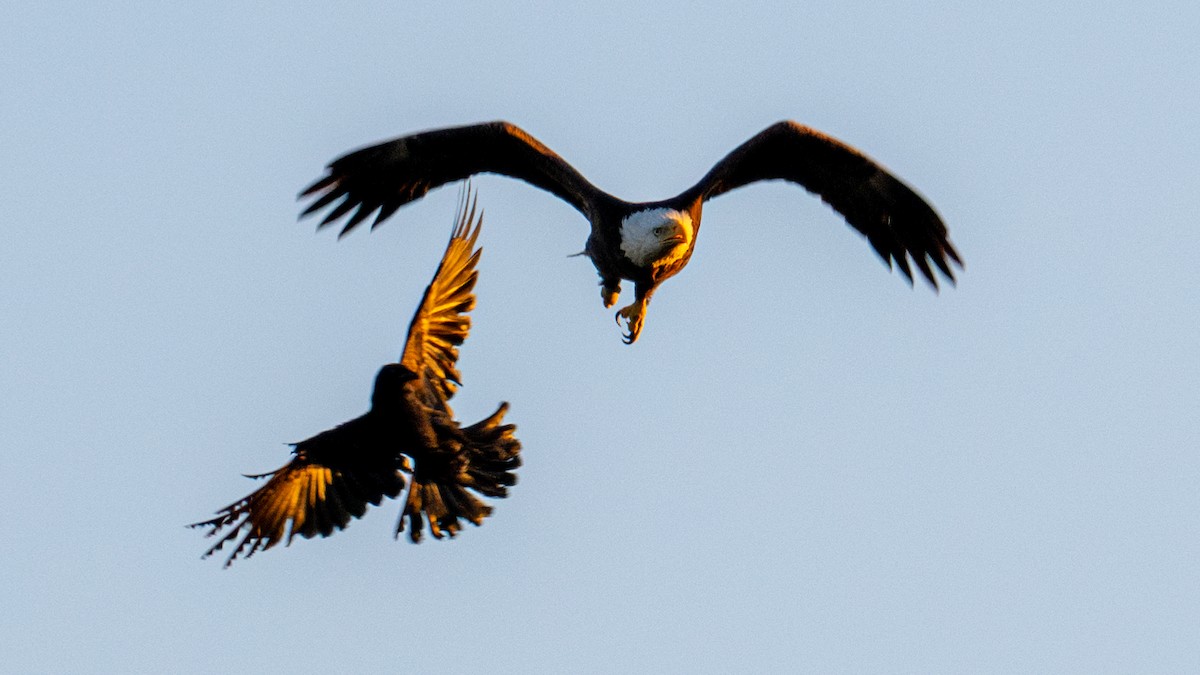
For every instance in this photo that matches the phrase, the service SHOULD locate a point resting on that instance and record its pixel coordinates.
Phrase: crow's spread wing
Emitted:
(441, 322)
(332, 478)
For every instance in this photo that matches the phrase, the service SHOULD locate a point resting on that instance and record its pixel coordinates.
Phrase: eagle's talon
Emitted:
(633, 316)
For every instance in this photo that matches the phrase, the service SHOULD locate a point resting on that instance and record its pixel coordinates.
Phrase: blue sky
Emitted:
(803, 465)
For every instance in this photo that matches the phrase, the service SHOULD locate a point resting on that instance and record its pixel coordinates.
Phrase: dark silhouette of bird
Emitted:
(647, 242)
(410, 428)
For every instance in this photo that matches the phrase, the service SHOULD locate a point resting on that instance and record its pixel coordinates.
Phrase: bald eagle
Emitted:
(647, 242)
(335, 474)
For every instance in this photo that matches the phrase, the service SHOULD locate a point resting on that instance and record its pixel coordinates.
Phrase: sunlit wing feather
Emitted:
(441, 323)
(381, 178)
(332, 479)
(899, 224)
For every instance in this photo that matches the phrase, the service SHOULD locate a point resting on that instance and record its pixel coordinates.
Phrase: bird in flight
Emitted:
(409, 428)
(646, 242)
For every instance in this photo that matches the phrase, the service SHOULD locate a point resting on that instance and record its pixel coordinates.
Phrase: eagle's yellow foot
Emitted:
(609, 295)
(633, 316)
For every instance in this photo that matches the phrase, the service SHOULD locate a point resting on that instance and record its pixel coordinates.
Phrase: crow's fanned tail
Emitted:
(444, 486)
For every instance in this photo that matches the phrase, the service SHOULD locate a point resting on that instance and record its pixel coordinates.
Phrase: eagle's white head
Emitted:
(656, 236)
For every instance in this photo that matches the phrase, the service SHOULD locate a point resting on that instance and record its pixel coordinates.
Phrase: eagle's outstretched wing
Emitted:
(899, 224)
(389, 175)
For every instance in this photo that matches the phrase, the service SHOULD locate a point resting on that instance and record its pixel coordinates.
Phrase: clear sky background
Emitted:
(803, 465)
